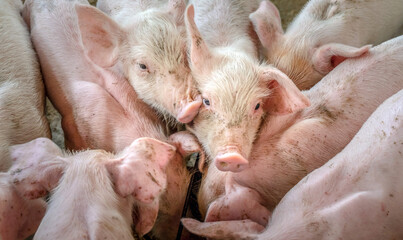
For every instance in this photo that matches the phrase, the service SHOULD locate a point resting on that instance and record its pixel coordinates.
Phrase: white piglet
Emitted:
(149, 40)
(358, 194)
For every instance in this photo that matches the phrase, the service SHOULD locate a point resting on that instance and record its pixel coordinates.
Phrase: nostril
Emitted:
(233, 162)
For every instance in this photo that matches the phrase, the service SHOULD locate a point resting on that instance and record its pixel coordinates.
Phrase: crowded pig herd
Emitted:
(298, 134)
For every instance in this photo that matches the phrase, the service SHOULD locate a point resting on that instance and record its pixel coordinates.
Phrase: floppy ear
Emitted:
(238, 203)
(200, 55)
(37, 167)
(141, 170)
(285, 97)
(186, 143)
(242, 229)
(101, 36)
(328, 56)
(145, 217)
(267, 23)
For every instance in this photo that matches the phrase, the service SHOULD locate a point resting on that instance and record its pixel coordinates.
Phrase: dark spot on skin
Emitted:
(18, 170)
(312, 227)
(325, 111)
(153, 179)
(198, 40)
(391, 195)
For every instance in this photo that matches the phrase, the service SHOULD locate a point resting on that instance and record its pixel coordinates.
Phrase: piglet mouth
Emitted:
(231, 160)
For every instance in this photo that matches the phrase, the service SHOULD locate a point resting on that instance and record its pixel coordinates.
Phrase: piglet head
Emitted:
(37, 167)
(140, 172)
(238, 203)
(237, 94)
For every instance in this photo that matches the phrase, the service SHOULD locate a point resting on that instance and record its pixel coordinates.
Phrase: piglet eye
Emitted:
(257, 106)
(142, 66)
(206, 102)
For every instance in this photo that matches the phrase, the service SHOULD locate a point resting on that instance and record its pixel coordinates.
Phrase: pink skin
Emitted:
(238, 93)
(246, 202)
(19, 217)
(291, 146)
(138, 171)
(99, 108)
(324, 34)
(355, 195)
(22, 93)
(149, 42)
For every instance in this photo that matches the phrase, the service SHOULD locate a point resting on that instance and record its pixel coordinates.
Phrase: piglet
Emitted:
(22, 96)
(93, 191)
(325, 33)
(356, 195)
(149, 41)
(100, 109)
(291, 146)
(238, 92)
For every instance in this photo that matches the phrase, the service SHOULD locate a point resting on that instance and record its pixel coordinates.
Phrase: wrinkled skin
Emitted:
(237, 91)
(99, 108)
(291, 146)
(152, 52)
(22, 97)
(356, 195)
(324, 34)
(134, 176)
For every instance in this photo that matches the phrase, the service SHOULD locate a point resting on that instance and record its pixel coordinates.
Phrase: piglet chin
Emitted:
(231, 161)
(189, 111)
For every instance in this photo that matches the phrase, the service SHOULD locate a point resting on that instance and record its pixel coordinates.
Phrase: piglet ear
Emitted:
(267, 23)
(140, 171)
(101, 35)
(328, 56)
(238, 203)
(145, 217)
(284, 97)
(37, 167)
(200, 55)
(177, 9)
(242, 229)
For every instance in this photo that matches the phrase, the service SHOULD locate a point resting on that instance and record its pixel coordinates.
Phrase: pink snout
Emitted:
(232, 161)
(189, 111)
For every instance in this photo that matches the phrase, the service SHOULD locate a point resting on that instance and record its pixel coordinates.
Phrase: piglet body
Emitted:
(325, 33)
(355, 195)
(291, 146)
(22, 97)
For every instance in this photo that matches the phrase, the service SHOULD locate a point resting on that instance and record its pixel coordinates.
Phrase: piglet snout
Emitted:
(189, 111)
(231, 161)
